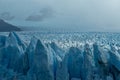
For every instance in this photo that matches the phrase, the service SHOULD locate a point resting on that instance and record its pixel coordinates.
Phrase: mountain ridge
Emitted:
(6, 27)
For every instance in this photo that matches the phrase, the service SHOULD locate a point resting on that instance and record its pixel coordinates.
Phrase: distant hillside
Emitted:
(5, 27)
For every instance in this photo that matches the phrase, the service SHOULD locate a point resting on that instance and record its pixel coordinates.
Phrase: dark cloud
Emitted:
(34, 18)
(6, 16)
(40, 16)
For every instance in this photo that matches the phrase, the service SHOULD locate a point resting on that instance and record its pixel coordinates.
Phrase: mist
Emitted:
(85, 15)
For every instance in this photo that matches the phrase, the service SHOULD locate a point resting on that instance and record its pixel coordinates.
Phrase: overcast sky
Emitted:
(93, 15)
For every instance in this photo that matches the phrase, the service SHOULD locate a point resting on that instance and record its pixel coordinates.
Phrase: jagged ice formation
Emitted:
(42, 60)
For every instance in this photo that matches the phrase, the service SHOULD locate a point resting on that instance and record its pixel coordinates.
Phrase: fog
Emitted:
(85, 15)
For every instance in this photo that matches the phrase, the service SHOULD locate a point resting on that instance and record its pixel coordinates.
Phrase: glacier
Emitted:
(59, 56)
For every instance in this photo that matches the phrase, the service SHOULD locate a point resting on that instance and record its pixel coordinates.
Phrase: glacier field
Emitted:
(59, 56)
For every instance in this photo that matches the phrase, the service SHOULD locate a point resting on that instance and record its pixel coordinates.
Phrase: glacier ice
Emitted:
(84, 56)
(62, 70)
(57, 50)
(75, 63)
(40, 66)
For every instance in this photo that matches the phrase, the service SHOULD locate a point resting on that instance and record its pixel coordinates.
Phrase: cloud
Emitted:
(34, 18)
(6, 16)
(91, 14)
(41, 15)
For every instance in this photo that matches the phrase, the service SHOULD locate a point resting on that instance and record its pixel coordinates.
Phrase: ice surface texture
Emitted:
(46, 60)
